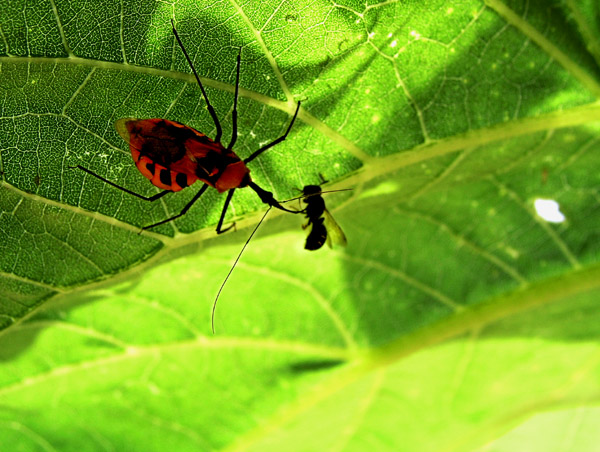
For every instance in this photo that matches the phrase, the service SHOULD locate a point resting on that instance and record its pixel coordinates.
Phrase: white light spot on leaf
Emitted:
(394, 43)
(549, 210)
(384, 188)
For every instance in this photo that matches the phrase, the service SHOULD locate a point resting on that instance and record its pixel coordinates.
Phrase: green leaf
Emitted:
(458, 318)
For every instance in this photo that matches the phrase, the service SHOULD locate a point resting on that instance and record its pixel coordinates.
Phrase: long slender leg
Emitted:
(235, 102)
(145, 198)
(211, 110)
(273, 143)
(183, 211)
(223, 212)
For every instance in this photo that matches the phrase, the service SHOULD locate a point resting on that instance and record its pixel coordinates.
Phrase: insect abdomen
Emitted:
(160, 176)
(317, 236)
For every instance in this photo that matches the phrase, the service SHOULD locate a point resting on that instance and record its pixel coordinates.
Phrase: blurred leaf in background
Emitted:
(460, 317)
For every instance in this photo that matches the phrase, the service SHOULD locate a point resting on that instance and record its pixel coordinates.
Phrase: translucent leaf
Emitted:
(458, 318)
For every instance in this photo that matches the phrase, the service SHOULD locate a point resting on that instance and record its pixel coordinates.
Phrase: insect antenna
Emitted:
(211, 110)
(212, 317)
(315, 194)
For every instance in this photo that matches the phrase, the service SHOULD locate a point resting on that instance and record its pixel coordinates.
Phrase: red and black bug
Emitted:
(323, 228)
(173, 156)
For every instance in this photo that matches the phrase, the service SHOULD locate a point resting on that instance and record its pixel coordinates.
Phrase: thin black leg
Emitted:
(223, 212)
(145, 198)
(273, 143)
(185, 209)
(235, 102)
(211, 110)
(268, 198)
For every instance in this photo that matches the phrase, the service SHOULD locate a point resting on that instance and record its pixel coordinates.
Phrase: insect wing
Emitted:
(121, 126)
(162, 140)
(335, 235)
(163, 160)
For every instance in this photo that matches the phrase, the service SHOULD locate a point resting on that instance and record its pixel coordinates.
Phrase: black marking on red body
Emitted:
(181, 180)
(165, 177)
(223, 161)
(210, 167)
(163, 141)
(180, 149)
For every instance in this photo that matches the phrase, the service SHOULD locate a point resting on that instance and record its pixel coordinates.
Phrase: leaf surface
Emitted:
(460, 317)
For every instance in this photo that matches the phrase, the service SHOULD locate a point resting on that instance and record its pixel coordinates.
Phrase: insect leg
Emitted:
(273, 143)
(223, 212)
(211, 110)
(235, 102)
(145, 198)
(183, 211)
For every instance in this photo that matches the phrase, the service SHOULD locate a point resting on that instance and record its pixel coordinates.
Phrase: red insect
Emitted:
(173, 156)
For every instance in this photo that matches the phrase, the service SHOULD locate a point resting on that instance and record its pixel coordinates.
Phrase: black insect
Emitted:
(323, 228)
